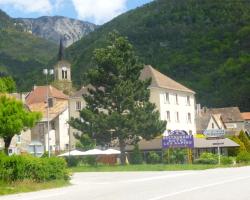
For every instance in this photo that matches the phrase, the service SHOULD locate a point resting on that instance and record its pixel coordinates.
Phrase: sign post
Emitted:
(215, 134)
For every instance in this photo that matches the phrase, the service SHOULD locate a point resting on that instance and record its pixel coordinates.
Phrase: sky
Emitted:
(95, 11)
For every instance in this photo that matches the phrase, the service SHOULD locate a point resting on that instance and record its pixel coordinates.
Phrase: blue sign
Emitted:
(178, 139)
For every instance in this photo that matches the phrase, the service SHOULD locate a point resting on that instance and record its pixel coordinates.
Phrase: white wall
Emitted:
(158, 97)
(64, 129)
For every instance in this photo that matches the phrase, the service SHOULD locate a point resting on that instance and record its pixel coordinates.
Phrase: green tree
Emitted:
(84, 142)
(136, 155)
(14, 118)
(7, 84)
(118, 107)
(244, 138)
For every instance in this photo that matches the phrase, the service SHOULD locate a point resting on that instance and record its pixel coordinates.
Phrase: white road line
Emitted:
(199, 187)
(140, 179)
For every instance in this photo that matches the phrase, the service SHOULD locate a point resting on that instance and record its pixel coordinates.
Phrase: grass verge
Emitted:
(29, 186)
(143, 167)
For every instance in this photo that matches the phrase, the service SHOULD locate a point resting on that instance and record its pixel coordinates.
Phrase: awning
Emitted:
(206, 143)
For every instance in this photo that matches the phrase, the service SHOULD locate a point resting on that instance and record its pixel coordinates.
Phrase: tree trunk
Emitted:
(122, 149)
(7, 141)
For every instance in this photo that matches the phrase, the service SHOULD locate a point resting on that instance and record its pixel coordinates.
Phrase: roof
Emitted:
(228, 114)
(204, 143)
(82, 91)
(245, 115)
(39, 94)
(161, 80)
(202, 120)
(59, 106)
(156, 144)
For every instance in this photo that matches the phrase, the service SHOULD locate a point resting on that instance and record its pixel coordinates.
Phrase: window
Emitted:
(188, 100)
(18, 139)
(177, 117)
(78, 105)
(212, 125)
(168, 116)
(64, 74)
(176, 99)
(189, 118)
(166, 97)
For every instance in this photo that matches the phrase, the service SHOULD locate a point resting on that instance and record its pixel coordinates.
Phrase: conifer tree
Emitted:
(118, 107)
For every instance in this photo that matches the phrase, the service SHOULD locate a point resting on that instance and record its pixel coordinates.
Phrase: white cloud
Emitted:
(100, 11)
(29, 6)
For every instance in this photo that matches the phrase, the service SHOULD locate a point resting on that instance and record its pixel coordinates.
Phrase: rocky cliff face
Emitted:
(53, 28)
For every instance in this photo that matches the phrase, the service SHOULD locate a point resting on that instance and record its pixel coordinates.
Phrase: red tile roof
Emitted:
(39, 94)
(245, 115)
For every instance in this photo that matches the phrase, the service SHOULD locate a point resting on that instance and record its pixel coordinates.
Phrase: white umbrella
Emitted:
(73, 153)
(93, 152)
(111, 152)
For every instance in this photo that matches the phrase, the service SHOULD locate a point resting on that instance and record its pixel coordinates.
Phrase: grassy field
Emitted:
(143, 167)
(29, 186)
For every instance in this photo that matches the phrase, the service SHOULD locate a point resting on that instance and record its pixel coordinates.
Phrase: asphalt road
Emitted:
(215, 184)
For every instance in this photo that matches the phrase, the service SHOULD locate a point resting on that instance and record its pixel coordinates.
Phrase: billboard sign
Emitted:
(178, 139)
(214, 133)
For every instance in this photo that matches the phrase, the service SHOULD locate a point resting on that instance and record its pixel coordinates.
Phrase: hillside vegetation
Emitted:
(203, 44)
(23, 55)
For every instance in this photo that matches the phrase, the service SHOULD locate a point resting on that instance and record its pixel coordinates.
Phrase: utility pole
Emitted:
(47, 72)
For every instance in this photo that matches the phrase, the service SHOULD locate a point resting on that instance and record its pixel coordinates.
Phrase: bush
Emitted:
(243, 157)
(136, 156)
(226, 160)
(13, 168)
(244, 138)
(72, 161)
(207, 158)
(235, 151)
(153, 158)
(174, 156)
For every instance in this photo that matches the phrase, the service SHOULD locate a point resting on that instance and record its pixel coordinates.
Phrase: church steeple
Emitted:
(62, 71)
(61, 50)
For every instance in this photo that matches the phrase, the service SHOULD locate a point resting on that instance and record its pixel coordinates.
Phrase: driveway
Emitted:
(215, 184)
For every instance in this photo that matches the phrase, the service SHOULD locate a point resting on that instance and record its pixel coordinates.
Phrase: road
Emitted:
(215, 184)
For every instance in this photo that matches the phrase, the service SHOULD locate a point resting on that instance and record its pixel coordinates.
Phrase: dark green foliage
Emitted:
(153, 158)
(136, 156)
(118, 106)
(207, 158)
(225, 160)
(22, 55)
(17, 168)
(204, 44)
(84, 142)
(72, 161)
(175, 156)
(243, 157)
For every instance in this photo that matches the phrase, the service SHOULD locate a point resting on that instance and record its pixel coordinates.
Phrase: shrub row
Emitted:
(13, 168)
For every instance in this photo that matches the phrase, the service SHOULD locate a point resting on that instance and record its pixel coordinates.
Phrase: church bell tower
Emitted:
(62, 71)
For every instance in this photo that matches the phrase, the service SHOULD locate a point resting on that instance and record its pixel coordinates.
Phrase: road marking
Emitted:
(140, 179)
(199, 187)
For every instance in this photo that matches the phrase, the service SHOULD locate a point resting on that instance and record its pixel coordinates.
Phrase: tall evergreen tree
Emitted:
(118, 107)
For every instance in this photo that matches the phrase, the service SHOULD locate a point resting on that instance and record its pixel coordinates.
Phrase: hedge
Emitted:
(17, 167)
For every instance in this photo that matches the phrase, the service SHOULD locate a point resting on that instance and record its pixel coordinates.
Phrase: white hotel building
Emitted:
(175, 102)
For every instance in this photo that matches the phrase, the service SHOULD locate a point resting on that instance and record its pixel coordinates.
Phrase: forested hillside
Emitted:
(23, 55)
(203, 44)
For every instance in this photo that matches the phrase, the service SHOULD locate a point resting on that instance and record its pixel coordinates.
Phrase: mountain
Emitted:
(23, 55)
(53, 28)
(203, 44)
